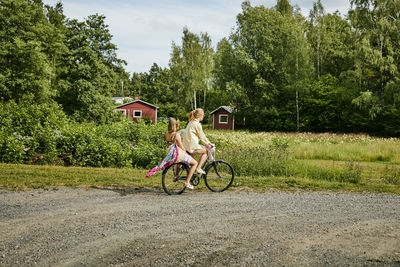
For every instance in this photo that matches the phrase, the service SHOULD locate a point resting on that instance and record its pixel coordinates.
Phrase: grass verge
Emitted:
(26, 177)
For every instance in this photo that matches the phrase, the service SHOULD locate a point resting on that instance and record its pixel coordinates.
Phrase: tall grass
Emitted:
(318, 146)
(351, 172)
(273, 160)
(392, 175)
(363, 151)
(295, 155)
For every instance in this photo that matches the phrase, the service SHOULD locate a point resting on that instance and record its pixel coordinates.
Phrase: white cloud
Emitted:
(144, 30)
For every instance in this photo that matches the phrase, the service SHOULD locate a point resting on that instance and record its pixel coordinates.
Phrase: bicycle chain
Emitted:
(195, 180)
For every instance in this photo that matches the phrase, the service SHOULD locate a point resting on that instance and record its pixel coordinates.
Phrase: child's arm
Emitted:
(179, 142)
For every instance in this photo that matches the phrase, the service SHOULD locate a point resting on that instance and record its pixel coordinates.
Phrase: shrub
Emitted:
(392, 175)
(33, 127)
(120, 144)
(12, 149)
(84, 145)
(146, 155)
(352, 173)
(42, 134)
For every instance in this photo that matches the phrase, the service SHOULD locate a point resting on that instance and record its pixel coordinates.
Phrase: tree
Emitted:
(316, 34)
(284, 7)
(48, 57)
(25, 67)
(339, 45)
(90, 75)
(328, 106)
(227, 75)
(191, 65)
(378, 26)
(264, 67)
(154, 86)
(56, 48)
(298, 68)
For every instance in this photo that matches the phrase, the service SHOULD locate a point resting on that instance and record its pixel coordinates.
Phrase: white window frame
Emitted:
(137, 117)
(223, 122)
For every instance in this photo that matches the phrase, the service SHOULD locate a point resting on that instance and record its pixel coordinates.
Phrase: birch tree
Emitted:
(191, 65)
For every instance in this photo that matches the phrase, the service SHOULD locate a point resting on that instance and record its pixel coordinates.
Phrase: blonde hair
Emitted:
(194, 114)
(173, 125)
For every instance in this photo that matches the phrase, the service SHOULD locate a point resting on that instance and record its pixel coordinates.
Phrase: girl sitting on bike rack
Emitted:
(193, 134)
(175, 152)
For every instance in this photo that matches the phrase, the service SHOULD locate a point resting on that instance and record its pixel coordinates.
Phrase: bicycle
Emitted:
(219, 177)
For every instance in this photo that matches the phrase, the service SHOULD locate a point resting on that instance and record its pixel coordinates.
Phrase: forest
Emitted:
(282, 71)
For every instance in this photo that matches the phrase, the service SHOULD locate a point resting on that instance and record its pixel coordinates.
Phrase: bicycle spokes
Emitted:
(174, 177)
(219, 176)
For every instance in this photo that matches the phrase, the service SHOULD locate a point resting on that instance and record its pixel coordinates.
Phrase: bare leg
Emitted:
(203, 157)
(193, 164)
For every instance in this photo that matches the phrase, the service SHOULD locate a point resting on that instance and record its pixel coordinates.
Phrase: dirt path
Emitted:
(93, 227)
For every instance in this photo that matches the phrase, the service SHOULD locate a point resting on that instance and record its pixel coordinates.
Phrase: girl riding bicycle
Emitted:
(176, 152)
(193, 134)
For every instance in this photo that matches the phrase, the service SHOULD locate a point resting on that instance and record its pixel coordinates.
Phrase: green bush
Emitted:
(33, 127)
(147, 155)
(12, 149)
(120, 144)
(85, 145)
(42, 134)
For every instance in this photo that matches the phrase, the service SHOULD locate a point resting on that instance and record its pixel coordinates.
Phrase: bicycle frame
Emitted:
(212, 171)
(195, 180)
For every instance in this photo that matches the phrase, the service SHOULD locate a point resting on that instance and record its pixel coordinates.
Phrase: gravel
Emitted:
(127, 227)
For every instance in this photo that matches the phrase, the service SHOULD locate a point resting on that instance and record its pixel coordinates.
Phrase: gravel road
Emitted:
(122, 227)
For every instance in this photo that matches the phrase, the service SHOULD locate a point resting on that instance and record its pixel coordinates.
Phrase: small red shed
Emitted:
(223, 118)
(138, 109)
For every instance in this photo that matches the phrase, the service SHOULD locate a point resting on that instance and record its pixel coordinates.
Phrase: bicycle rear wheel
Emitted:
(219, 176)
(173, 178)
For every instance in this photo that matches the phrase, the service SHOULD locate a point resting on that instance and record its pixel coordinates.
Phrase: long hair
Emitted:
(194, 114)
(173, 125)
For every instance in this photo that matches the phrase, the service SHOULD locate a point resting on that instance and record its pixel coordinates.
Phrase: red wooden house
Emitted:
(139, 109)
(223, 118)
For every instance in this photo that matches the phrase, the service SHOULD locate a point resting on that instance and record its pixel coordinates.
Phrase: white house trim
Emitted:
(135, 116)
(227, 108)
(213, 121)
(140, 101)
(223, 116)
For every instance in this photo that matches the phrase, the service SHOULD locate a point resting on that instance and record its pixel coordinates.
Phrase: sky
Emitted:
(143, 30)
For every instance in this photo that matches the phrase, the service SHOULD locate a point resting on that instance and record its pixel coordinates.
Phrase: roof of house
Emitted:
(227, 108)
(120, 99)
(138, 100)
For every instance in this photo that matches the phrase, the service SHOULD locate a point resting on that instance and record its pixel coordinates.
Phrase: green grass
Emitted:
(262, 161)
(26, 177)
(21, 177)
(369, 152)
(317, 146)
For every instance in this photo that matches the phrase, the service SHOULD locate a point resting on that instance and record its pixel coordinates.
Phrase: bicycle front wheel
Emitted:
(219, 176)
(173, 178)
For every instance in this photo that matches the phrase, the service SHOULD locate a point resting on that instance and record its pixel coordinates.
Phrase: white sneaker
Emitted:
(200, 171)
(190, 186)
